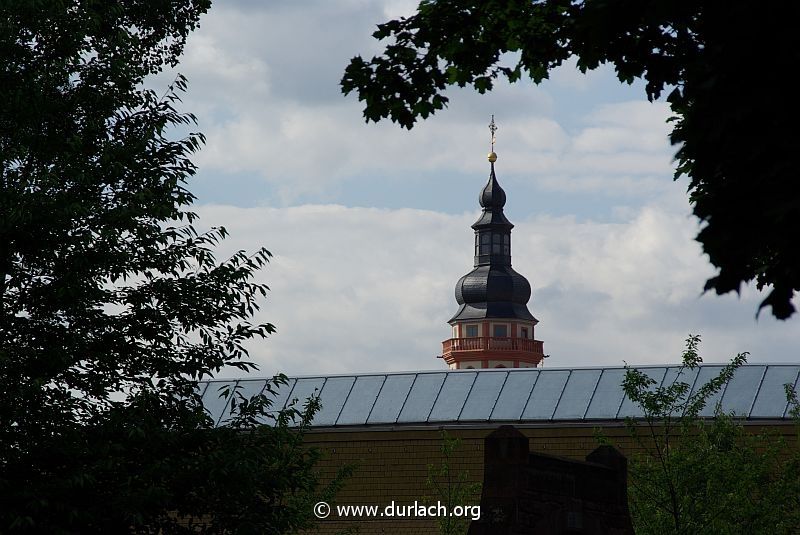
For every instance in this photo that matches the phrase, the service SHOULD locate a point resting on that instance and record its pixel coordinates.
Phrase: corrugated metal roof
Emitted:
(506, 395)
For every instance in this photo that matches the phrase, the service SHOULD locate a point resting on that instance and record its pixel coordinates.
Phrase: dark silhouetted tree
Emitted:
(112, 306)
(723, 64)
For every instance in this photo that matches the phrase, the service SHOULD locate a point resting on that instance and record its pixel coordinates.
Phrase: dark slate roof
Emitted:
(519, 396)
(492, 292)
(492, 195)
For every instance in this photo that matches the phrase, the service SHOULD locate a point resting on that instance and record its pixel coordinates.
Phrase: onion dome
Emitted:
(492, 199)
(492, 195)
(492, 292)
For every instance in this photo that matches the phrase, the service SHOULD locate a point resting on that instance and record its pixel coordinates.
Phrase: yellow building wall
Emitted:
(392, 465)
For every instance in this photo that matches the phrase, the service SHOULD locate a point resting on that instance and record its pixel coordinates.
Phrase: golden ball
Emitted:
(492, 157)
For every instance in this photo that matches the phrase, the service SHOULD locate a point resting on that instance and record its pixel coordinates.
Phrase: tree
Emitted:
(112, 307)
(693, 476)
(723, 65)
(451, 489)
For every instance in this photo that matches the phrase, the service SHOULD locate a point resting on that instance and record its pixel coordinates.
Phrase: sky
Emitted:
(369, 224)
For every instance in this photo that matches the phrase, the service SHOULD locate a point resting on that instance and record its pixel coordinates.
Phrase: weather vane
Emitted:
(492, 129)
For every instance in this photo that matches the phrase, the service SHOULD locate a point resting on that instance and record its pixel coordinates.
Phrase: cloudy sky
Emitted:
(370, 224)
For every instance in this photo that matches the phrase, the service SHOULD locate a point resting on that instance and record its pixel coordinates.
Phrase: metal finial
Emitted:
(492, 129)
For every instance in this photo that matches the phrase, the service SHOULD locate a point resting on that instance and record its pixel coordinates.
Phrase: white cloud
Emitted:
(359, 289)
(638, 126)
(640, 114)
(356, 289)
(264, 83)
(394, 9)
(304, 149)
(612, 139)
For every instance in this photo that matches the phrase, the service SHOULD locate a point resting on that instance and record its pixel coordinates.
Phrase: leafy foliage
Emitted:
(451, 488)
(695, 476)
(722, 64)
(112, 306)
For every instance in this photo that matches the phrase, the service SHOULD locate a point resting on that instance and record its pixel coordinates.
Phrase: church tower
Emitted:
(493, 327)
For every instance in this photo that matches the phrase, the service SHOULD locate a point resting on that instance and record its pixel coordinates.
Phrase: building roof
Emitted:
(492, 292)
(518, 396)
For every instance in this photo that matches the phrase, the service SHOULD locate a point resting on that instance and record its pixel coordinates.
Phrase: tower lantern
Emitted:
(493, 327)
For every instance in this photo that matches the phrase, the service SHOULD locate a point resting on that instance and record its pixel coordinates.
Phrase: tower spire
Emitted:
(492, 229)
(493, 326)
